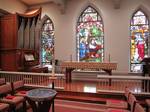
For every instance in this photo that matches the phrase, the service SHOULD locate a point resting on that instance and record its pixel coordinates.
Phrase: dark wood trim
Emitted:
(4, 12)
(38, 12)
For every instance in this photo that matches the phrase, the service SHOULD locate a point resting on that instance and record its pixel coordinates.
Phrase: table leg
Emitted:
(24, 106)
(110, 80)
(44, 106)
(53, 107)
(68, 75)
(110, 73)
(33, 105)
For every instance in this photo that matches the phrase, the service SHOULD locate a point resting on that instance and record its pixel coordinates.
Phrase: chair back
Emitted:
(131, 101)
(138, 108)
(2, 81)
(18, 84)
(126, 93)
(4, 89)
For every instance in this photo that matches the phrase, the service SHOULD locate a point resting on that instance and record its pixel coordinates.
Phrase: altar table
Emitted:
(70, 66)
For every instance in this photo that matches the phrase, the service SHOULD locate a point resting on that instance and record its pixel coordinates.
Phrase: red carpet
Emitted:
(73, 106)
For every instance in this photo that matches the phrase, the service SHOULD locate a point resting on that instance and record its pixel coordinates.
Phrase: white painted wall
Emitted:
(12, 6)
(116, 26)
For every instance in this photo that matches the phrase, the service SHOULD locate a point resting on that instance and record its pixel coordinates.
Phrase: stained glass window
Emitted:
(47, 41)
(90, 36)
(139, 40)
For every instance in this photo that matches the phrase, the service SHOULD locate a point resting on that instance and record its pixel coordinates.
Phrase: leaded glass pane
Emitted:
(136, 67)
(139, 40)
(139, 20)
(47, 27)
(90, 10)
(139, 13)
(90, 36)
(89, 17)
(47, 42)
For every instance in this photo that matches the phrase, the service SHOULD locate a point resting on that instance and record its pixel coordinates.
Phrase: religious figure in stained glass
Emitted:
(90, 36)
(47, 42)
(139, 40)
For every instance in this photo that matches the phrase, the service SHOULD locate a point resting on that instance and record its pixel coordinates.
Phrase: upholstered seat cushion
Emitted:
(12, 99)
(18, 84)
(2, 81)
(4, 107)
(117, 104)
(21, 93)
(6, 88)
(116, 110)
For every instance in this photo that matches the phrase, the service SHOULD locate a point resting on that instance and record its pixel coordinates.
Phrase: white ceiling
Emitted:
(62, 3)
(116, 3)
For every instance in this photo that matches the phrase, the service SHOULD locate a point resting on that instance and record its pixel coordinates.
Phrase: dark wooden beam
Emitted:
(4, 12)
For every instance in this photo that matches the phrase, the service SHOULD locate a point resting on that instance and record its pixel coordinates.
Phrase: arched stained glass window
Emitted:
(139, 40)
(47, 42)
(90, 36)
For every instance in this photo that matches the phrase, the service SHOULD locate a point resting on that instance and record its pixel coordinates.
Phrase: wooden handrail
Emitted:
(123, 77)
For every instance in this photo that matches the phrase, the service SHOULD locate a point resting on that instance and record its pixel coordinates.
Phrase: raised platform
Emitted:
(99, 98)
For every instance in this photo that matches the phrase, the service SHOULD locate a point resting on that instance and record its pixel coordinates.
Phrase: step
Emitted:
(99, 98)
(82, 98)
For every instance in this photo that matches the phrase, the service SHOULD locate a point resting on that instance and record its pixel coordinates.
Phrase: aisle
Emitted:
(73, 106)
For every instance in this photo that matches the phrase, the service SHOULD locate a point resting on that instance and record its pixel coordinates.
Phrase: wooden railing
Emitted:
(137, 84)
(35, 79)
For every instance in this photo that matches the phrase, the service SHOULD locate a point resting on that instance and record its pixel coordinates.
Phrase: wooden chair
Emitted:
(148, 105)
(4, 107)
(15, 102)
(138, 108)
(131, 99)
(119, 103)
(2, 81)
(127, 93)
(18, 88)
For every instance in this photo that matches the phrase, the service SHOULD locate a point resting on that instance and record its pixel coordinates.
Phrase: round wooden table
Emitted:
(41, 99)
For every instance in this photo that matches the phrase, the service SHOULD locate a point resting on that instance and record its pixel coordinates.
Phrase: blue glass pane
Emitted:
(47, 42)
(90, 38)
(139, 39)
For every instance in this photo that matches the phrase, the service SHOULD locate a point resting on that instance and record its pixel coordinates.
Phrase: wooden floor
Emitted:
(74, 106)
(96, 91)
(88, 92)
(81, 86)
(96, 87)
